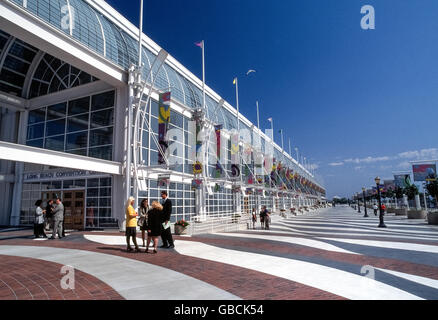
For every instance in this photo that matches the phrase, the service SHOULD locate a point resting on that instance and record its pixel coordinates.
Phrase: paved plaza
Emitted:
(329, 254)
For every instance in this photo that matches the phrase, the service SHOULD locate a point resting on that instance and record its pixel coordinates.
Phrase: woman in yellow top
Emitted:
(131, 224)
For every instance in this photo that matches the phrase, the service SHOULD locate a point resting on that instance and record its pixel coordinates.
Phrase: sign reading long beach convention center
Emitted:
(424, 172)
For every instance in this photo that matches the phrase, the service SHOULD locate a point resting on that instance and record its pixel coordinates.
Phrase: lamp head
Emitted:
(377, 179)
(363, 189)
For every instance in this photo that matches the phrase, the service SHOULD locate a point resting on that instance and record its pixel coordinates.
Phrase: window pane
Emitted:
(38, 115)
(56, 111)
(79, 106)
(102, 101)
(77, 140)
(101, 152)
(101, 136)
(35, 143)
(77, 123)
(35, 131)
(55, 127)
(102, 118)
(55, 143)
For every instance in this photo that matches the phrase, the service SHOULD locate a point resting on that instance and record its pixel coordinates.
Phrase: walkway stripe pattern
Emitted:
(332, 253)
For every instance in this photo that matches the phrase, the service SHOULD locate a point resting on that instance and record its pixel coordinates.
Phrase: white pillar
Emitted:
(19, 169)
(417, 202)
(405, 201)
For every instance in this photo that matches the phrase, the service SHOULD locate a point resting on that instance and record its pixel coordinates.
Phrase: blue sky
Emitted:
(358, 103)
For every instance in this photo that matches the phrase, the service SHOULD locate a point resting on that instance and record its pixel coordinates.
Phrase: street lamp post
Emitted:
(358, 203)
(381, 223)
(364, 203)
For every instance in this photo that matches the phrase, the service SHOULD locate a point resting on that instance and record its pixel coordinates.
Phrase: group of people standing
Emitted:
(265, 218)
(52, 215)
(155, 221)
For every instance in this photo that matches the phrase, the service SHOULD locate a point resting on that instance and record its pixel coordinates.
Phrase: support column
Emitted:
(19, 169)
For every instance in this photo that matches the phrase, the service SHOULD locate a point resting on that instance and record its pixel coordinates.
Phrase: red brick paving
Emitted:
(245, 283)
(34, 279)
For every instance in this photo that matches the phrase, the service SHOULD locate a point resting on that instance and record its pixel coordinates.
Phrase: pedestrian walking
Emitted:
(383, 208)
(154, 225)
(131, 225)
(267, 218)
(58, 219)
(254, 218)
(166, 235)
(143, 221)
(39, 220)
(262, 218)
(375, 209)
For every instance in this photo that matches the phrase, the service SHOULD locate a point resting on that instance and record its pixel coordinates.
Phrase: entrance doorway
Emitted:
(74, 207)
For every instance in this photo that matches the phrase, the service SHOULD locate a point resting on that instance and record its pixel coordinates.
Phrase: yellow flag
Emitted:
(234, 81)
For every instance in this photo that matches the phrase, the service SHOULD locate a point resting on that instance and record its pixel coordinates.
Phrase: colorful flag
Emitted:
(200, 44)
(163, 123)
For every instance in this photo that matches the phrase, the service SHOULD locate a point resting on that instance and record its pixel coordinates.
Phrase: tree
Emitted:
(390, 193)
(432, 189)
(411, 191)
(398, 192)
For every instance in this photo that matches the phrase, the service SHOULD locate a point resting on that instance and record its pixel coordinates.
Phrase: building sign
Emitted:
(424, 172)
(60, 175)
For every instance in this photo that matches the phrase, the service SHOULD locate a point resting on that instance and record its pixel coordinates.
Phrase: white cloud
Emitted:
(424, 154)
(368, 160)
(336, 164)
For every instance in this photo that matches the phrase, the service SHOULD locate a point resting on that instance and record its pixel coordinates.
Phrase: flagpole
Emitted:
(140, 33)
(203, 75)
(237, 106)
(258, 119)
(290, 152)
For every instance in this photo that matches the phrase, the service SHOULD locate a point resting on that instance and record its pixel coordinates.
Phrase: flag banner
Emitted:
(424, 172)
(249, 191)
(163, 180)
(235, 159)
(163, 123)
(196, 184)
(247, 153)
(235, 171)
(218, 170)
(381, 187)
(197, 167)
(402, 180)
(218, 187)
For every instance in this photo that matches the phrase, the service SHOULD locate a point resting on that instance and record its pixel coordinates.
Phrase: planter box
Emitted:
(417, 214)
(432, 217)
(391, 210)
(180, 230)
(400, 212)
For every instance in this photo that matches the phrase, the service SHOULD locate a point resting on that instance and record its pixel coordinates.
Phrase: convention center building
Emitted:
(82, 120)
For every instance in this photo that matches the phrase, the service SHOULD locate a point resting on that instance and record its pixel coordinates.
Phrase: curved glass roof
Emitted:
(102, 36)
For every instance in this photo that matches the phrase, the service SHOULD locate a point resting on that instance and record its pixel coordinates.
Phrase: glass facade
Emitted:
(82, 126)
(97, 196)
